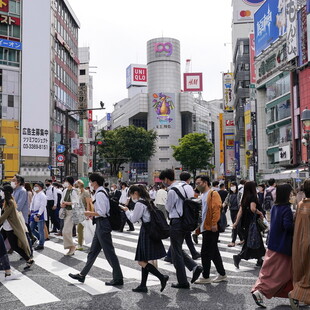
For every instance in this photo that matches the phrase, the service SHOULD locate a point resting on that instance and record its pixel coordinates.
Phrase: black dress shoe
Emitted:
(163, 283)
(140, 289)
(196, 273)
(39, 247)
(196, 256)
(259, 262)
(115, 283)
(237, 260)
(168, 259)
(177, 285)
(78, 277)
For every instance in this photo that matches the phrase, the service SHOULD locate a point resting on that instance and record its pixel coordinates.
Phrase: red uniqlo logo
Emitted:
(139, 75)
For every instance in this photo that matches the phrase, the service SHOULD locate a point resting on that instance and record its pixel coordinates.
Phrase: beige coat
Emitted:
(10, 214)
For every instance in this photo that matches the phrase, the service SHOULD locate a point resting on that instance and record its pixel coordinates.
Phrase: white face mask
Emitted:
(36, 188)
(13, 184)
(233, 188)
(112, 189)
(66, 184)
(134, 200)
(2, 195)
(90, 186)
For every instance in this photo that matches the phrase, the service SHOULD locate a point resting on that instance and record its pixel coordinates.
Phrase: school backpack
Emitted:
(268, 201)
(159, 228)
(115, 216)
(191, 210)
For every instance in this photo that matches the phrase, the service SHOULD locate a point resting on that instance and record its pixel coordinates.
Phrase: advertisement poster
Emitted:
(163, 106)
(229, 154)
(193, 82)
(269, 24)
(227, 91)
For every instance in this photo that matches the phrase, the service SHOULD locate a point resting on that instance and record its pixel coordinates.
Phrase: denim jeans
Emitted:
(40, 233)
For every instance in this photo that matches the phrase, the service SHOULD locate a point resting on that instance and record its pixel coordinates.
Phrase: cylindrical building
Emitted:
(164, 85)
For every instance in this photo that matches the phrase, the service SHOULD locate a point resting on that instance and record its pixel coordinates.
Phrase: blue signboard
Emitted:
(237, 157)
(11, 44)
(269, 24)
(308, 6)
(60, 148)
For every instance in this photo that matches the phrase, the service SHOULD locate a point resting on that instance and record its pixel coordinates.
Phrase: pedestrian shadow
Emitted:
(153, 300)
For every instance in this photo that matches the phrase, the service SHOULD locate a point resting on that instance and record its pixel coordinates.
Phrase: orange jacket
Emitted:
(214, 203)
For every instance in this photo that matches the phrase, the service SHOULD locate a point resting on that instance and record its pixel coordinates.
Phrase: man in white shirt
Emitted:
(102, 238)
(174, 206)
(38, 214)
(51, 195)
(124, 200)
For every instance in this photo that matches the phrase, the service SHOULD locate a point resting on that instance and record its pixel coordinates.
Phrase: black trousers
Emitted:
(124, 221)
(238, 230)
(103, 241)
(180, 259)
(52, 215)
(14, 245)
(210, 252)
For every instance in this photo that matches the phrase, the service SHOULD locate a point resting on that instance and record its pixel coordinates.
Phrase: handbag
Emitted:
(262, 226)
(78, 215)
(254, 236)
(62, 213)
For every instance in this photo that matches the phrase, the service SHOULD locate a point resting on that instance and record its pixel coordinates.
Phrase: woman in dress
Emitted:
(301, 252)
(247, 212)
(147, 249)
(232, 201)
(69, 198)
(13, 228)
(275, 277)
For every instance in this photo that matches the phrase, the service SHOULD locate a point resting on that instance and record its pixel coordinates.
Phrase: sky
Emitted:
(117, 32)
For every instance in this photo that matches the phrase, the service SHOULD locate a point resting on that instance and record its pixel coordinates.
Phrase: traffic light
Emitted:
(97, 142)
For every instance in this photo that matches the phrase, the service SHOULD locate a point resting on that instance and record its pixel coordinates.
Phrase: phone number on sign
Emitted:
(35, 146)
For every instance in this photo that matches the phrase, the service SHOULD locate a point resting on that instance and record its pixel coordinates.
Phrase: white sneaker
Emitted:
(259, 299)
(203, 281)
(12, 276)
(219, 279)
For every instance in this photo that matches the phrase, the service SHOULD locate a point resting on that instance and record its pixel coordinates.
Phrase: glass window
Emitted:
(246, 49)
(14, 7)
(82, 72)
(278, 88)
(3, 29)
(10, 101)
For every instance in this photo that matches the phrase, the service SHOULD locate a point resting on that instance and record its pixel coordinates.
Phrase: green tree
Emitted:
(126, 144)
(193, 152)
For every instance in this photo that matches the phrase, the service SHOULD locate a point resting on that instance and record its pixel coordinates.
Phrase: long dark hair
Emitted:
(143, 193)
(8, 198)
(283, 193)
(236, 185)
(249, 194)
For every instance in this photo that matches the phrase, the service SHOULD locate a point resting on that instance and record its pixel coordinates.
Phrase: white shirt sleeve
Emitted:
(137, 213)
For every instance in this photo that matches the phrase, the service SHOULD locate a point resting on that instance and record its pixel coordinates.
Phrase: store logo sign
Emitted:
(253, 2)
(166, 48)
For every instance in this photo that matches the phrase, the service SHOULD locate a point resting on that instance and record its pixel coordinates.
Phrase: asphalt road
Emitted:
(47, 285)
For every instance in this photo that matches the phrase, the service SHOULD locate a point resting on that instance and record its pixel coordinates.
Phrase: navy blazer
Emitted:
(281, 229)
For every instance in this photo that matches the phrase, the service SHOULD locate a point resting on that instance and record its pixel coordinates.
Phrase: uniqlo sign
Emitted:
(139, 74)
(136, 75)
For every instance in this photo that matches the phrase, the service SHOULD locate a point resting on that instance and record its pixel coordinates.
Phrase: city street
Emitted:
(48, 286)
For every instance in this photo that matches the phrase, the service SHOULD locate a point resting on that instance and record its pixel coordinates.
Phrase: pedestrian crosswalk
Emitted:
(49, 279)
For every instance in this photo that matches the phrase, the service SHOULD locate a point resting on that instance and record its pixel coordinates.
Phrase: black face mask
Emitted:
(47, 185)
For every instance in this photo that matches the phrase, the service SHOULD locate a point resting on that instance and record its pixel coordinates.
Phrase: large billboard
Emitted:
(136, 75)
(163, 110)
(243, 10)
(35, 118)
(228, 91)
(193, 82)
(269, 24)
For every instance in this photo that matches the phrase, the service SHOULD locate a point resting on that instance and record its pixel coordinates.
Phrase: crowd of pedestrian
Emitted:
(30, 212)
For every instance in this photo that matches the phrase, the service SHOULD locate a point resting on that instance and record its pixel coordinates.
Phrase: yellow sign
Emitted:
(2, 3)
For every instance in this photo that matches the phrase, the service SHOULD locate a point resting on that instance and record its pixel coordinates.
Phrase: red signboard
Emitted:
(4, 5)
(90, 116)
(9, 20)
(60, 158)
(192, 82)
(252, 54)
(230, 123)
(81, 148)
(139, 74)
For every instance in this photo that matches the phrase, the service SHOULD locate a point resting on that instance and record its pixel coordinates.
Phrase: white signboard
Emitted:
(35, 118)
(291, 32)
(228, 91)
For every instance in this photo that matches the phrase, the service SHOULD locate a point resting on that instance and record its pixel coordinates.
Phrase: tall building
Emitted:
(158, 103)
(49, 88)
(10, 84)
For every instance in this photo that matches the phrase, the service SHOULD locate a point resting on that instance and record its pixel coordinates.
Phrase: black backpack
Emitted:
(191, 211)
(115, 216)
(268, 200)
(159, 228)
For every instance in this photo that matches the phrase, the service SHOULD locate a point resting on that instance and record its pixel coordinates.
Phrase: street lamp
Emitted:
(305, 118)
(2, 144)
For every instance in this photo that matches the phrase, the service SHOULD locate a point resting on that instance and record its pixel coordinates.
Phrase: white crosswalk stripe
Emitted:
(52, 262)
